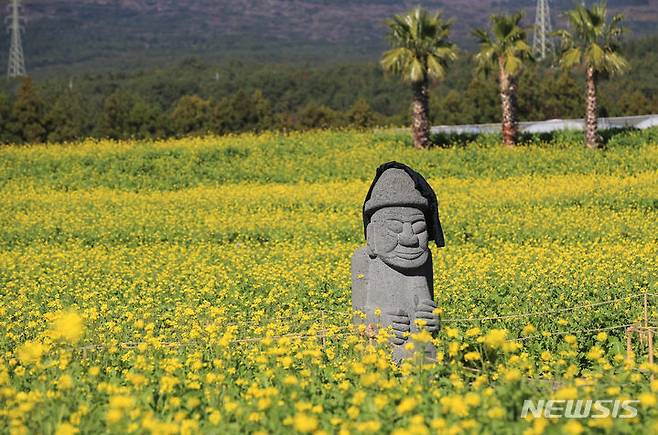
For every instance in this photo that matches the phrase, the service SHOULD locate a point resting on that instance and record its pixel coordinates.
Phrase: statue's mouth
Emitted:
(409, 255)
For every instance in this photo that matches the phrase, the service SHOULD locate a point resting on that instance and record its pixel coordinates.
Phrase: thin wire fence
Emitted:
(326, 330)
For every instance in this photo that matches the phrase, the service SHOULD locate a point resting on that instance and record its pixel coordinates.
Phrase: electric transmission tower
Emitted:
(542, 43)
(16, 66)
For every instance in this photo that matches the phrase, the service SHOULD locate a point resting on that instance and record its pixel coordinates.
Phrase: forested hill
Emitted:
(74, 36)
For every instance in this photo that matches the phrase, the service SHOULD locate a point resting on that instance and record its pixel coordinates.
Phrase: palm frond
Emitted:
(571, 58)
(505, 47)
(594, 40)
(420, 45)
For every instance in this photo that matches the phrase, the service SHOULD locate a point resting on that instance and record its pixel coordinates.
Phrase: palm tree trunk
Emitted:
(591, 115)
(507, 90)
(420, 128)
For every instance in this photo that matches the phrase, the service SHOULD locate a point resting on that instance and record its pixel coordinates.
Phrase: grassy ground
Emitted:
(129, 273)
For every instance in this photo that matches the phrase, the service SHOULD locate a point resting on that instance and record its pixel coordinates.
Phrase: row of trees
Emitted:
(28, 119)
(421, 51)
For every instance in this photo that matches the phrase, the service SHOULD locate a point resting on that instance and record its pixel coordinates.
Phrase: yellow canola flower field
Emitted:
(203, 286)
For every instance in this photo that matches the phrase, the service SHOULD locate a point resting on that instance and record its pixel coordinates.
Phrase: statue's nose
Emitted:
(407, 236)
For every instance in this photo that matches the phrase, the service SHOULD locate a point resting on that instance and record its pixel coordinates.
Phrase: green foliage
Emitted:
(315, 115)
(66, 118)
(191, 115)
(116, 114)
(28, 114)
(243, 112)
(361, 115)
(506, 48)
(421, 48)
(593, 41)
(320, 156)
(256, 97)
(6, 135)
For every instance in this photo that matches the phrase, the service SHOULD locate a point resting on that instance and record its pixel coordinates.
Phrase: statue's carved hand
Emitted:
(425, 312)
(401, 326)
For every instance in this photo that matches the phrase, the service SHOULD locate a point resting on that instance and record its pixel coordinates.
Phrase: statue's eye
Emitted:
(419, 227)
(395, 226)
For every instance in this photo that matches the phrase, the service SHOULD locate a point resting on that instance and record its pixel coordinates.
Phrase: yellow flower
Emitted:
(370, 426)
(67, 326)
(473, 332)
(528, 329)
(566, 393)
(495, 338)
(167, 384)
(303, 406)
(636, 377)
(496, 412)
(66, 429)
(601, 423)
(539, 425)
(189, 427)
(455, 405)
(305, 423)
(65, 382)
(264, 403)
(114, 415)
(359, 397)
(215, 418)
(230, 406)
(289, 380)
(647, 399)
(94, 371)
(423, 336)
(602, 336)
(381, 400)
(30, 352)
(572, 427)
(406, 405)
(438, 424)
(472, 399)
(358, 368)
(595, 353)
(512, 375)
(121, 402)
(472, 356)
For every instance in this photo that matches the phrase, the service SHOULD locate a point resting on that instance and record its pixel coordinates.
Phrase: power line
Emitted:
(16, 67)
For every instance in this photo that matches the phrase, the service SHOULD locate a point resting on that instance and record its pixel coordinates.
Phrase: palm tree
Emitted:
(594, 45)
(420, 52)
(505, 51)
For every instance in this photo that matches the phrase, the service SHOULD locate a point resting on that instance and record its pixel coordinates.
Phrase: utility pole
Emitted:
(16, 66)
(542, 43)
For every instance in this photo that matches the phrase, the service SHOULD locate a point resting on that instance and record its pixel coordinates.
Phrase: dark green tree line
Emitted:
(193, 99)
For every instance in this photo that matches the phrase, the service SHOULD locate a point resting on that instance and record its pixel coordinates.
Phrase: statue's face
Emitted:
(398, 235)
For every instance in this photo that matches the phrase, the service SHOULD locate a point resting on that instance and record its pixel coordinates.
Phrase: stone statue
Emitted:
(392, 279)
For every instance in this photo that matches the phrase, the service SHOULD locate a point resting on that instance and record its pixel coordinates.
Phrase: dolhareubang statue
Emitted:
(392, 279)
